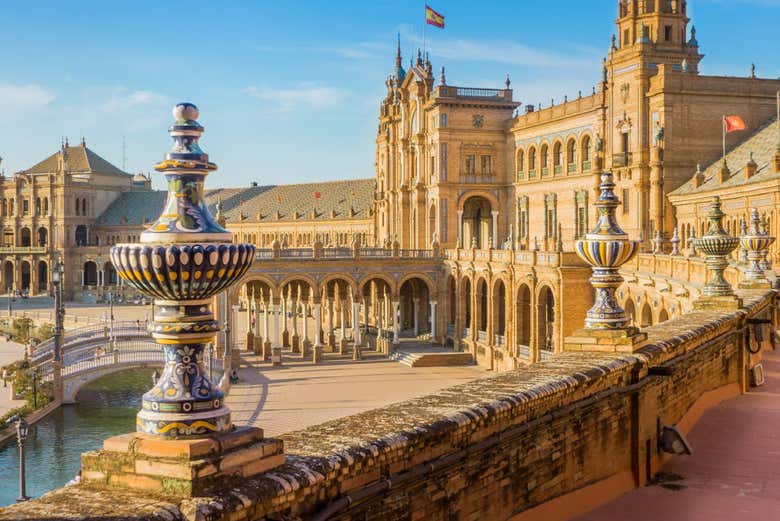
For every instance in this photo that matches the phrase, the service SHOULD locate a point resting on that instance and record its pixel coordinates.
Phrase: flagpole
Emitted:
(425, 23)
(724, 139)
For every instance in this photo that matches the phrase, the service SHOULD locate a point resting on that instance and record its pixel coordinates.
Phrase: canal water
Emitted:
(53, 450)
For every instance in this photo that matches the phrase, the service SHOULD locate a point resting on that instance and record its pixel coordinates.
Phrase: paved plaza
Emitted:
(300, 394)
(9, 352)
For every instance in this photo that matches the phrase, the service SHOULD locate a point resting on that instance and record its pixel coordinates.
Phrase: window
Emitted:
(25, 207)
(626, 196)
(485, 165)
(432, 173)
(78, 206)
(443, 118)
(668, 33)
(46, 206)
(626, 37)
(571, 155)
(544, 153)
(550, 216)
(37, 206)
(471, 164)
(443, 237)
(532, 160)
(586, 148)
(522, 217)
(443, 163)
(557, 154)
(582, 222)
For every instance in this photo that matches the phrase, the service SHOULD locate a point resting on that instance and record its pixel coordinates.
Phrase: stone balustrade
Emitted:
(516, 436)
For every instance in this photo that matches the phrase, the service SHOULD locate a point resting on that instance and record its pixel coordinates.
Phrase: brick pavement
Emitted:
(300, 394)
(734, 472)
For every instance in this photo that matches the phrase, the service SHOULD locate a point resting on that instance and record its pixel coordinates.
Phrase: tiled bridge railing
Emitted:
(526, 436)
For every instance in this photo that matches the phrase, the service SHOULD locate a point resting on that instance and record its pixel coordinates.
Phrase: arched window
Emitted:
(520, 164)
(84, 206)
(11, 206)
(557, 154)
(571, 156)
(45, 206)
(543, 156)
(78, 206)
(585, 153)
(532, 161)
(37, 206)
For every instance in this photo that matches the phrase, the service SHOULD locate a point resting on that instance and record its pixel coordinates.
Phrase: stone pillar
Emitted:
(285, 331)
(657, 190)
(494, 213)
(396, 324)
(365, 318)
(433, 320)
(331, 337)
(276, 349)
(317, 356)
(266, 329)
(295, 340)
(343, 336)
(355, 322)
(416, 315)
(460, 229)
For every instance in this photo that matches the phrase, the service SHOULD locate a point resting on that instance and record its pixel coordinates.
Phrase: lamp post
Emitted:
(21, 436)
(56, 279)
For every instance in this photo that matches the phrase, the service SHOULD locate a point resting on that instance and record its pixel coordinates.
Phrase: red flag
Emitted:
(317, 195)
(734, 123)
(433, 18)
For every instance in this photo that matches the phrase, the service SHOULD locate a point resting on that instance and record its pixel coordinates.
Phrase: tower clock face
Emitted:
(477, 120)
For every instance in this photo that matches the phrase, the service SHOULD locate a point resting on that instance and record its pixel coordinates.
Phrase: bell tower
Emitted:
(658, 31)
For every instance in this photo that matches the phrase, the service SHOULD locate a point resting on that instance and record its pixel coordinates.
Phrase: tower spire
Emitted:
(398, 52)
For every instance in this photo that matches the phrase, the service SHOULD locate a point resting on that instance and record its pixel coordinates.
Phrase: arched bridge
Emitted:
(93, 351)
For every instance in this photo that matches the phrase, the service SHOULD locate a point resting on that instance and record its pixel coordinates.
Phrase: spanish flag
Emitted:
(733, 123)
(433, 18)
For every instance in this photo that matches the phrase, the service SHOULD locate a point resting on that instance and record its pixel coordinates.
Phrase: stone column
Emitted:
(331, 337)
(266, 329)
(396, 325)
(365, 318)
(285, 331)
(317, 335)
(460, 228)
(305, 343)
(355, 321)
(295, 340)
(258, 339)
(416, 313)
(433, 320)
(343, 336)
(276, 349)
(494, 213)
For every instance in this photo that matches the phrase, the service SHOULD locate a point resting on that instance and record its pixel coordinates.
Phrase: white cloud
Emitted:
(123, 99)
(16, 98)
(308, 94)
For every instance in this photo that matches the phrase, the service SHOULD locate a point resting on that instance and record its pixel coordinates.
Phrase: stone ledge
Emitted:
(180, 468)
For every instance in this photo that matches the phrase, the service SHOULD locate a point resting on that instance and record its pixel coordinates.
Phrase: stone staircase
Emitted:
(431, 357)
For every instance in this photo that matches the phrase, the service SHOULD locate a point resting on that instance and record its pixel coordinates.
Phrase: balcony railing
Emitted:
(23, 249)
(499, 340)
(571, 168)
(531, 174)
(545, 354)
(466, 332)
(622, 159)
(558, 169)
(469, 92)
(545, 171)
(586, 166)
(523, 350)
(450, 329)
(520, 175)
(477, 178)
(482, 336)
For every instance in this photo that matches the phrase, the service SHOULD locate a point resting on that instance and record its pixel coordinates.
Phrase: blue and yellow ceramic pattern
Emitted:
(184, 259)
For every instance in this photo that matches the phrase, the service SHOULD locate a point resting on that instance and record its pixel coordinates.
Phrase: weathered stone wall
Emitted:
(487, 449)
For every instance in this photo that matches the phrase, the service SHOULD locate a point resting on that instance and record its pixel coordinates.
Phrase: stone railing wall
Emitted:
(487, 449)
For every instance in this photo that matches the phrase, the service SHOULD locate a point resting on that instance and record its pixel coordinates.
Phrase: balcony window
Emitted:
(471, 164)
(486, 165)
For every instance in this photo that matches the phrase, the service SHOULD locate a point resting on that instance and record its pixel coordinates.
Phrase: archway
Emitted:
(377, 306)
(43, 277)
(8, 275)
(523, 321)
(482, 309)
(26, 275)
(663, 316)
(110, 274)
(630, 310)
(467, 314)
(414, 297)
(546, 322)
(90, 277)
(647, 316)
(477, 222)
(499, 313)
(432, 231)
(452, 304)
(337, 310)
(81, 235)
(25, 237)
(43, 236)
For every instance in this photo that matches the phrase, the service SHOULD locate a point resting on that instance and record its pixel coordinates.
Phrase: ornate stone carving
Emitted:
(716, 245)
(606, 248)
(755, 241)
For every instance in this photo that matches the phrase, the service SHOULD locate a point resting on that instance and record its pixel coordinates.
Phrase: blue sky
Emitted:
(289, 91)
